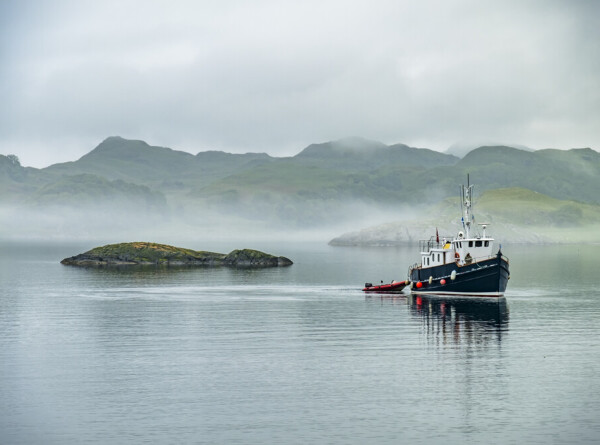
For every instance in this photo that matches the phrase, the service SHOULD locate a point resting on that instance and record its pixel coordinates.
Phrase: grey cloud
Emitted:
(269, 76)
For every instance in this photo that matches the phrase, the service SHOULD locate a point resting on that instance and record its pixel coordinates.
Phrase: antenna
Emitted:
(483, 226)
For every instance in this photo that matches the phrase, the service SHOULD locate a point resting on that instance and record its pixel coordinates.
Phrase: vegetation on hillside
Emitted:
(513, 215)
(321, 185)
(85, 189)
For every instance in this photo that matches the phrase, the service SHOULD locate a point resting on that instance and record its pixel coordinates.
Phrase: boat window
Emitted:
(477, 243)
(487, 243)
(470, 243)
(438, 256)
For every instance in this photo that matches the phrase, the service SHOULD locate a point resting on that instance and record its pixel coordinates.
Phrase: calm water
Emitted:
(296, 355)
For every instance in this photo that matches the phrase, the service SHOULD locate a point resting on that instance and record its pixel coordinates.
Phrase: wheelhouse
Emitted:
(466, 248)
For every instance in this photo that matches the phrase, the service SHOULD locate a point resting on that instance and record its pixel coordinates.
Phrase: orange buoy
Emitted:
(442, 281)
(419, 285)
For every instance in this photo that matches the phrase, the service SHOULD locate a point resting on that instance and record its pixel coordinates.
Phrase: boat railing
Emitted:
(460, 262)
(475, 259)
(433, 243)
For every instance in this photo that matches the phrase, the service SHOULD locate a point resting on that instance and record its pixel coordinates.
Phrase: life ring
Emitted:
(456, 256)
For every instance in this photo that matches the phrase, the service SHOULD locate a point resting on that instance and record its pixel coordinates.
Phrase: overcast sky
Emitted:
(275, 76)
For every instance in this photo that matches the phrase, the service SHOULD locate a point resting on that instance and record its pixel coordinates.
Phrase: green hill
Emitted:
(323, 184)
(514, 215)
(524, 207)
(323, 177)
(571, 174)
(89, 190)
(160, 167)
(357, 154)
(340, 171)
(136, 161)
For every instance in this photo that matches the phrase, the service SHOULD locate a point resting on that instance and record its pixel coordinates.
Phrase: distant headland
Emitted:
(144, 253)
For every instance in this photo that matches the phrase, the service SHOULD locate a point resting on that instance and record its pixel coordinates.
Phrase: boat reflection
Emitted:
(457, 321)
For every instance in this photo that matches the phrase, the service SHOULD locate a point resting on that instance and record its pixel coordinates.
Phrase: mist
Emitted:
(105, 222)
(126, 190)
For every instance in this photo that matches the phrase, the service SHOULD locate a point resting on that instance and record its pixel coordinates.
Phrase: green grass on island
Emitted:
(146, 253)
(150, 252)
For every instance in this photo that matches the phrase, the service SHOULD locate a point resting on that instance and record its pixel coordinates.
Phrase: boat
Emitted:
(392, 288)
(463, 265)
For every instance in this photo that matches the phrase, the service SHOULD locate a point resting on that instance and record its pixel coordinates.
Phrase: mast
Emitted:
(467, 194)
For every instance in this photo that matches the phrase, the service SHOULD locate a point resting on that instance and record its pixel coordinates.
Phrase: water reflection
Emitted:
(395, 299)
(461, 321)
(150, 275)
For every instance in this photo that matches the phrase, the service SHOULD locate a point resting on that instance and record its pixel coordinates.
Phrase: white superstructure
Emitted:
(466, 247)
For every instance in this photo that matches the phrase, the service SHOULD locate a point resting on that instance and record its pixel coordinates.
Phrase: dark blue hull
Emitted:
(483, 278)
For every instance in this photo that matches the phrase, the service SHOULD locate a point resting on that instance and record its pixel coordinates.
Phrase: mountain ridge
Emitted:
(324, 184)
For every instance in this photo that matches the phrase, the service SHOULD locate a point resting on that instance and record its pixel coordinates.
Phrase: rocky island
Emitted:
(143, 253)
